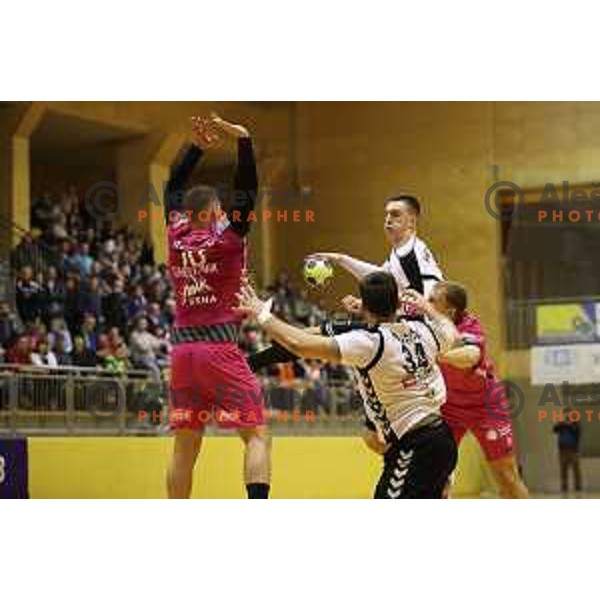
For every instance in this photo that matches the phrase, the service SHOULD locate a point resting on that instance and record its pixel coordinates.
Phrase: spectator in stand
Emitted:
(144, 348)
(315, 398)
(26, 253)
(62, 356)
(81, 356)
(53, 292)
(71, 208)
(43, 356)
(59, 332)
(10, 325)
(89, 237)
(57, 232)
(89, 333)
(35, 331)
(153, 316)
(41, 210)
(29, 295)
(168, 313)
(302, 309)
(20, 352)
(81, 260)
(113, 352)
(137, 302)
(71, 303)
(114, 307)
(89, 300)
(157, 290)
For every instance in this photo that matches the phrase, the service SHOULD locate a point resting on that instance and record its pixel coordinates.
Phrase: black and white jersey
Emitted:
(413, 266)
(396, 366)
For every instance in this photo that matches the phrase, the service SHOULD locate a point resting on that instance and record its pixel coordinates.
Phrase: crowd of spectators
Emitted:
(91, 295)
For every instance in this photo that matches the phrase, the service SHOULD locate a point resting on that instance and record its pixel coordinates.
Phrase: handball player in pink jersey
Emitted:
(210, 378)
(469, 375)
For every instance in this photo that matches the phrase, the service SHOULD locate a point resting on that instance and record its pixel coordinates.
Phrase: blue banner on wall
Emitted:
(13, 469)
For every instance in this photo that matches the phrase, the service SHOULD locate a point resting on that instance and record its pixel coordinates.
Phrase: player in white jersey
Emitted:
(401, 384)
(410, 261)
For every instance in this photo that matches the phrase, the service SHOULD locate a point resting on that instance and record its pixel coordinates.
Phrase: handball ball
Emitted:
(317, 271)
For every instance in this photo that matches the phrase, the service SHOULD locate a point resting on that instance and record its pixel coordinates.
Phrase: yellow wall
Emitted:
(135, 467)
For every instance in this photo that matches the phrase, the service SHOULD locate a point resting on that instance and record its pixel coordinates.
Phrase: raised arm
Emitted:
(180, 174)
(203, 138)
(245, 185)
(357, 268)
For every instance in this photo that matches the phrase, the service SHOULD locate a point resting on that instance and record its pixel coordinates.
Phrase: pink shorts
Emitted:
(211, 381)
(495, 436)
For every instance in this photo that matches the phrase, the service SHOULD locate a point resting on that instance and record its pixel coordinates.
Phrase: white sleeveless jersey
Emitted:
(414, 266)
(396, 367)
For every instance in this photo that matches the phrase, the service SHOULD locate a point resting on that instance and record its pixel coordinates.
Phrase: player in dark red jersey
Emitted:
(470, 376)
(210, 379)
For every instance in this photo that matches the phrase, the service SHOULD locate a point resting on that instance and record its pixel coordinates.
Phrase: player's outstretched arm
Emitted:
(203, 137)
(357, 268)
(276, 353)
(464, 357)
(446, 334)
(272, 355)
(245, 186)
(297, 341)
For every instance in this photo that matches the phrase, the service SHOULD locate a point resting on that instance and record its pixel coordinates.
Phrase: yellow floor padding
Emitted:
(312, 467)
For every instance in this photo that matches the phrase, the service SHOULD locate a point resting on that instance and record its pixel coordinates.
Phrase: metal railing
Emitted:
(86, 401)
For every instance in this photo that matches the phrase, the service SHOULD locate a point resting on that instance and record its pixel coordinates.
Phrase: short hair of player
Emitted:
(410, 200)
(456, 296)
(379, 294)
(199, 198)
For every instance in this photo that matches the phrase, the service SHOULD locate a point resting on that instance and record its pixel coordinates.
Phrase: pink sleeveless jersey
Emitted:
(468, 387)
(205, 266)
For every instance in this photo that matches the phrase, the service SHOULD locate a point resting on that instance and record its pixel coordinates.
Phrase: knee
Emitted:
(256, 436)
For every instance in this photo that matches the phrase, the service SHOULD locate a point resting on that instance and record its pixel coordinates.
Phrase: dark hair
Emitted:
(199, 197)
(456, 296)
(379, 294)
(411, 201)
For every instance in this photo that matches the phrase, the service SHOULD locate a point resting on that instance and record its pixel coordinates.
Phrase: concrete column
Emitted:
(16, 126)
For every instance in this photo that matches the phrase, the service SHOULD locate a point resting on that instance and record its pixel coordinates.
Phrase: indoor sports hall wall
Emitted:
(135, 468)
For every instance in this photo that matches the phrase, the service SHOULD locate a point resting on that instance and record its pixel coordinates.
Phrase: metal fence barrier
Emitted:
(87, 401)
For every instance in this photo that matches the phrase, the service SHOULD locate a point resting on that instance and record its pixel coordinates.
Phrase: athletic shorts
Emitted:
(419, 464)
(211, 382)
(495, 436)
